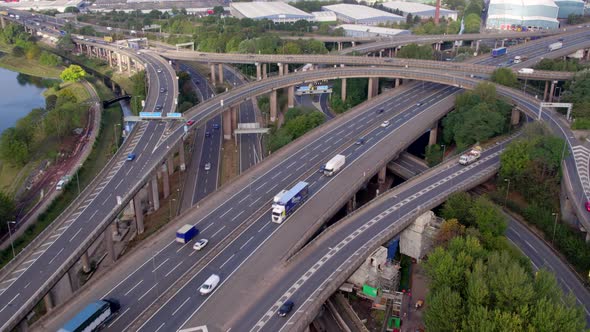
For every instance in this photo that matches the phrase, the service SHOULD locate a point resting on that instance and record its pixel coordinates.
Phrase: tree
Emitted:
(65, 43)
(33, 52)
(458, 206)
(48, 59)
(7, 207)
(504, 76)
(433, 154)
(444, 311)
(415, 51)
(72, 74)
(449, 229)
(71, 9)
(18, 52)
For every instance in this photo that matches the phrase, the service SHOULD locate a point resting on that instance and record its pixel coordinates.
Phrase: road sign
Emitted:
(174, 115)
(151, 115)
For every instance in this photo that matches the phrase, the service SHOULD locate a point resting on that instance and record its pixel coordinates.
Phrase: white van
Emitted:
(209, 284)
(60, 185)
(526, 71)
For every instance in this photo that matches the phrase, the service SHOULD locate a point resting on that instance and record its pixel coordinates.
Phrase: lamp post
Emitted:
(8, 223)
(507, 191)
(554, 226)
(170, 208)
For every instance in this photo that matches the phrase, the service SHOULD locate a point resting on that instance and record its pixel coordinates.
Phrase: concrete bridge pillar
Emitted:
(397, 82)
(280, 65)
(23, 326)
(48, 301)
(264, 70)
(373, 87)
(119, 62)
(353, 44)
(108, 240)
(588, 55)
(477, 46)
(503, 41)
(515, 117)
(212, 70)
(155, 193)
(433, 134)
(552, 91)
(380, 53)
(129, 65)
(2, 23)
(339, 46)
(343, 90)
(391, 53)
(85, 262)
(291, 96)
(381, 175)
(220, 68)
(258, 72)
(170, 162)
(226, 124)
(285, 69)
(138, 214)
(165, 181)
(235, 111)
(546, 91)
(181, 157)
(273, 106)
(351, 205)
(115, 228)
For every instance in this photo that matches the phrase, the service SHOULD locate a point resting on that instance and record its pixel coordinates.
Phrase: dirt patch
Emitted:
(229, 162)
(372, 318)
(412, 317)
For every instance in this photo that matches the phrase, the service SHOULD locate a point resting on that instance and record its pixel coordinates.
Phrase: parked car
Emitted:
(385, 123)
(200, 244)
(588, 206)
(286, 308)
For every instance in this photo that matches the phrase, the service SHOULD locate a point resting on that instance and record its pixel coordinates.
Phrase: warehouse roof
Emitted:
(374, 30)
(359, 12)
(524, 2)
(266, 9)
(414, 7)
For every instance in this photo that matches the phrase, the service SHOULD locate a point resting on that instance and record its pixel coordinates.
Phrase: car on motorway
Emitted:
(207, 166)
(209, 284)
(380, 111)
(207, 134)
(159, 70)
(190, 122)
(419, 103)
(322, 169)
(588, 206)
(200, 244)
(162, 90)
(158, 107)
(360, 141)
(131, 157)
(285, 308)
(215, 126)
(385, 123)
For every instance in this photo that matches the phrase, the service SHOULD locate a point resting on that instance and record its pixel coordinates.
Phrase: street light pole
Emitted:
(507, 191)
(554, 226)
(8, 223)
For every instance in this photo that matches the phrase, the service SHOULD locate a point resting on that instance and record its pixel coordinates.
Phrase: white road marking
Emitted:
(183, 303)
(119, 316)
(245, 244)
(164, 262)
(227, 261)
(75, 235)
(219, 230)
(237, 215)
(54, 257)
(174, 268)
(146, 293)
(132, 288)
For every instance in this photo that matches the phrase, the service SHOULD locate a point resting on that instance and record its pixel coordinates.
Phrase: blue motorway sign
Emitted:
(174, 115)
(150, 114)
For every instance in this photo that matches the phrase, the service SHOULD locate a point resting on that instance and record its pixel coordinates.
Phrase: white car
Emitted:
(207, 166)
(159, 70)
(385, 123)
(209, 284)
(200, 244)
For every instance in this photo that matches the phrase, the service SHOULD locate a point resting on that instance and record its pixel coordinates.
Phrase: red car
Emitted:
(588, 206)
(190, 122)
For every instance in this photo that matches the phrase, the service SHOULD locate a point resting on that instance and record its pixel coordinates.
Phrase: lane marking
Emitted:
(132, 288)
(227, 261)
(183, 303)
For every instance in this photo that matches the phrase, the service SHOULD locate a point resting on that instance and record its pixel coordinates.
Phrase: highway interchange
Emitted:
(253, 189)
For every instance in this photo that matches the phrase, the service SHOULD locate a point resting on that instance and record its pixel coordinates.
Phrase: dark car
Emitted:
(379, 111)
(162, 90)
(158, 107)
(286, 308)
(360, 141)
(131, 157)
(419, 103)
(207, 134)
(215, 126)
(322, 168)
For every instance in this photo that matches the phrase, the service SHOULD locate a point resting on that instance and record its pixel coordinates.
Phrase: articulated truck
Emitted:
(471, 156)
(186, 233)
(555, 46)
(289, 202)
(499, 51)
(334, 165)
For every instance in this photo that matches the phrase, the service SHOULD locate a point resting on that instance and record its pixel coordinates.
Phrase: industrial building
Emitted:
(569, 7)
(512, 14)
(357, 14)
(419, 9)
(276, 11)
(59, 5)
(192, 7)
(324, 16)
(353, 30)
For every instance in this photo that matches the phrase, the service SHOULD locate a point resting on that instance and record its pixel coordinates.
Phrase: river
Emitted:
(19, 94)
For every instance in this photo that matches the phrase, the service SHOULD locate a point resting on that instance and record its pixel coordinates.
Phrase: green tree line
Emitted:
(298, 121)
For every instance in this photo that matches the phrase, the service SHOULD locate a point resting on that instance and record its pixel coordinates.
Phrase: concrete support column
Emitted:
(587, 237)
(373, 87)
(397, 82)
(433, 134)
(343, 90)
(235, 111)
(551, 91)
(220, 68)
(280, 65)
(23, 326)
(515, 117)
(181, 157)
(351, 205)
(2, 23)
(273, 106)
(285, 69)
(264, 70)
(291, 96)
(503, 42)
(546, 91)
(382, 174)
(48, 301)
(226, 124)
(155, 196)
(353, 44)
(212, 70)
(588, 59)
(380, 53)
(138, 214)
(110, 56)
(115, 228)
(129, 65)
(339, 46)
(170, 162)
(391, 53)
(120, 62)
(165, 181)
(477, 46)
(109, 243)
(258, 71)
(85, 262)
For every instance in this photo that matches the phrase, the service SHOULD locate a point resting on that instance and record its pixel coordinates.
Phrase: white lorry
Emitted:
(470, 156)
(555, 46)
(334, 165)
(526, 71)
